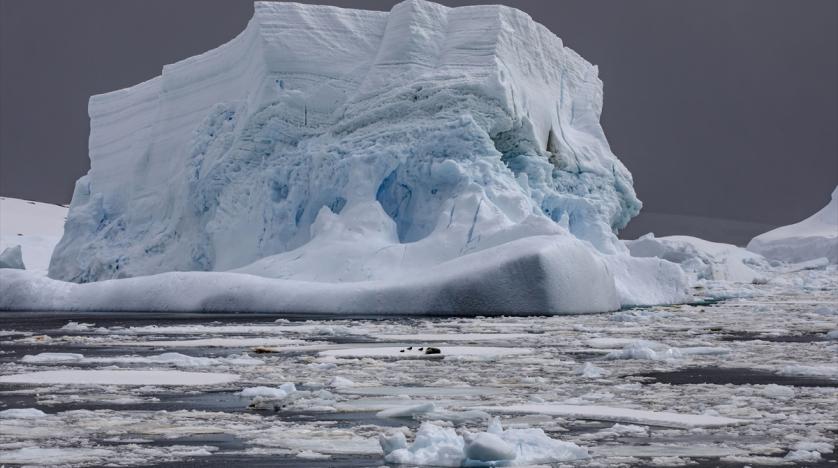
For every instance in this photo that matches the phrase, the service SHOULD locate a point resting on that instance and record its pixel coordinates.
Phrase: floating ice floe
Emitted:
(120, 377)
(608, 413)
(654, 351)
(173, 359)
(393, 352)
(441, 446)
(702, 259)
(11, 257)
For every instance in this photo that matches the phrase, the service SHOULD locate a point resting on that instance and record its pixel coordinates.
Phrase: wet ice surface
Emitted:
(743, 381)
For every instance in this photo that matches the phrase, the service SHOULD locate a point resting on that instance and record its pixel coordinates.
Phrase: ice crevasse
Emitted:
(426, 159)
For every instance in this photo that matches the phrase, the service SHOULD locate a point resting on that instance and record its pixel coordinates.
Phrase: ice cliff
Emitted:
(444, 151)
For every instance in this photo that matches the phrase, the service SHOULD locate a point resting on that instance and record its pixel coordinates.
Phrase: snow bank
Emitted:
(426, 159)
(439, 446)
(703, 260)
(35, 227)
(812, 238)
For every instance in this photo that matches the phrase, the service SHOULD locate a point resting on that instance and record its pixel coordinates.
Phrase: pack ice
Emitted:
(334, 160)
(814, 237)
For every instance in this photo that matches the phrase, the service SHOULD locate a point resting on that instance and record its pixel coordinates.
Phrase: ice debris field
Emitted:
(751, 380)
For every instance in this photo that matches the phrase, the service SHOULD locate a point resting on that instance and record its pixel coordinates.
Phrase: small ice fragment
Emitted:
(340, 382)
(22, 413)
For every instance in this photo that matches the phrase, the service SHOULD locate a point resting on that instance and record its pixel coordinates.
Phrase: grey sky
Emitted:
(721, 109)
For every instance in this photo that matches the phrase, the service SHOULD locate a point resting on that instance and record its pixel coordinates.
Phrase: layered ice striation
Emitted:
(327, 145)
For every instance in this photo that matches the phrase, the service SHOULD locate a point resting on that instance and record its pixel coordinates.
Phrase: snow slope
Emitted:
(452, 156)
(35, 226)
(814, 237)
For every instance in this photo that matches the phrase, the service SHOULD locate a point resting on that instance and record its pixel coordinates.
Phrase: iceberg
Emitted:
(426, 159)
(34, 226)
(814, 237)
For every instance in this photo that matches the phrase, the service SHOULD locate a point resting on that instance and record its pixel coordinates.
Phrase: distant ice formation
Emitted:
(703, 260)
(36, 227)
(814, 237)
(423, 159)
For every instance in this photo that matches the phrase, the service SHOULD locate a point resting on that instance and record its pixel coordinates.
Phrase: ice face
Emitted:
(459, 123)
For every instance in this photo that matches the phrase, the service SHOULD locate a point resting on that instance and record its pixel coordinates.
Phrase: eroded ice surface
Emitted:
(426, 159)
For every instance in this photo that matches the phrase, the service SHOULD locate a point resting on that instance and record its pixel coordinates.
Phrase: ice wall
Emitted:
(333, 145)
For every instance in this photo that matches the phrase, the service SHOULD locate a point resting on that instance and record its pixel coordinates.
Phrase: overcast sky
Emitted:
(720, 108)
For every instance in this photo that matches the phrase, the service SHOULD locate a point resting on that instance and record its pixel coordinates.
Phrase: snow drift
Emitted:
(426, 159)
(814, 237)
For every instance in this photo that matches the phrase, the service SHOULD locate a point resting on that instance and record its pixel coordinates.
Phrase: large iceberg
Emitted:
(814, 237)
(423, 159)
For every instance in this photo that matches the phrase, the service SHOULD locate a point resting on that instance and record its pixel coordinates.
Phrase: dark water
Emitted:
(733, 376)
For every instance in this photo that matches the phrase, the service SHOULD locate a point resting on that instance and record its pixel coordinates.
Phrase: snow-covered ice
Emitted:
(11, 257)
(441, 446)
(814, 237)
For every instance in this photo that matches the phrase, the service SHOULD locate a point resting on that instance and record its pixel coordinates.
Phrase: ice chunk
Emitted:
(803, 456)
(812, 238)
(392, 441)
(487, 447)
(340, 382)
(438, 446)
(11, 257)
(609, 413)
(22, 413)
(264, 392)
(590, 371)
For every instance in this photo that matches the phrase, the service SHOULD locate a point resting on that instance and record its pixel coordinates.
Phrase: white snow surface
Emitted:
(36, 227)
(814, 237)
(332, 160)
